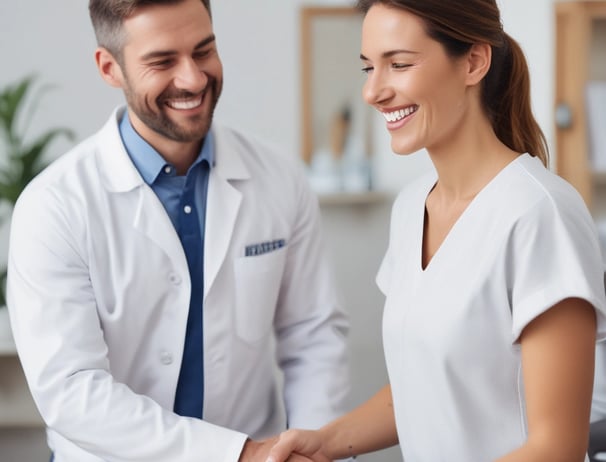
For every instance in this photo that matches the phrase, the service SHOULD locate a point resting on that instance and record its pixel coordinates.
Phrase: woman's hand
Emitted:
(303, 442)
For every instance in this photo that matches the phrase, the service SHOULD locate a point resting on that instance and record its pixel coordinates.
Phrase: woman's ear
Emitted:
(108, 67)
(478, 61)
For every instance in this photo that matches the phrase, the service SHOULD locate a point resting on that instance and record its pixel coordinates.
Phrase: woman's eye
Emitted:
(400, 65)
(367, 69)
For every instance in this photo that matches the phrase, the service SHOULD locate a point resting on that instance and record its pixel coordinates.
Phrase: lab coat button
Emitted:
(174, 278)
(166, 358)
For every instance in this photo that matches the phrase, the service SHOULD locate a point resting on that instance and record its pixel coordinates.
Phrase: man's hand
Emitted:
(297, 443)
(258, 451)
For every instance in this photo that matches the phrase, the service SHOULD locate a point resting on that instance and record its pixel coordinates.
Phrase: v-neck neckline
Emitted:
(460, 219)
(439, 250)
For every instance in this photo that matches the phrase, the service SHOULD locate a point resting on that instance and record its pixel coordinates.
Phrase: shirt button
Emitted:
(166, 358)
(187, 209)
(168, 169)
(174, 278)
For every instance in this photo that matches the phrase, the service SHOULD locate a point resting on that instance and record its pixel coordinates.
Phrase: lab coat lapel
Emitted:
(152, 221)
(223, 203)
(120, 176)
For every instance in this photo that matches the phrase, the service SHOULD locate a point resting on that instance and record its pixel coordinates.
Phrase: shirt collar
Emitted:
(147, 160)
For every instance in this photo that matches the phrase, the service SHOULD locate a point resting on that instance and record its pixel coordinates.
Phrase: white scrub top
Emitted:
(598, 403)
(450, 330)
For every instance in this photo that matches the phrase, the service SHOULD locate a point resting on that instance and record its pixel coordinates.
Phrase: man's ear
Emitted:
(478, 61)
(108, 67)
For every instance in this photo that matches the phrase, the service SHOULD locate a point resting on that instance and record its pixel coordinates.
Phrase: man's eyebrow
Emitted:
(389, 54)
(164, 53)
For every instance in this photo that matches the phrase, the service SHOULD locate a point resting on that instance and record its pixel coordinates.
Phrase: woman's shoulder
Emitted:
(539, 186)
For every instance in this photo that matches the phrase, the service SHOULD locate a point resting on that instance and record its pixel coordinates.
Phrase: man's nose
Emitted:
(190, 77)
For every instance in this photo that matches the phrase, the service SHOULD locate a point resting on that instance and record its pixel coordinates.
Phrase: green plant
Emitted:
(20, 159)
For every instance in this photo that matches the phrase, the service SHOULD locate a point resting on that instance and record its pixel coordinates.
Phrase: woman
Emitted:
(493, 280)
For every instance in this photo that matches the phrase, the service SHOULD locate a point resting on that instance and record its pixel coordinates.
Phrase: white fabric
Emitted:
(99, 295)
(524, 243)
(598, 404)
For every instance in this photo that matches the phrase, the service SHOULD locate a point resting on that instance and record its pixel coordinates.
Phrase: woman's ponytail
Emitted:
(506, 95)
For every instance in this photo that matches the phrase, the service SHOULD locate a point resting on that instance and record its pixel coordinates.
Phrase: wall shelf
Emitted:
(599, 178)
(580, 28)
(18, 408)
(347, 198)
(7, 344)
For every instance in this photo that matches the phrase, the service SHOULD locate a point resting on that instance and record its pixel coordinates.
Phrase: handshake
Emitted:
(371, 425)
(290, 446)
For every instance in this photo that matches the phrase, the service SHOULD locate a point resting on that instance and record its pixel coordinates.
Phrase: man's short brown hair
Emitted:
(108, 17)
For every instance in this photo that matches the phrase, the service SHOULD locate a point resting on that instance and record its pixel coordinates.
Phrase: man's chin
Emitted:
(186, 136)
(184, 132)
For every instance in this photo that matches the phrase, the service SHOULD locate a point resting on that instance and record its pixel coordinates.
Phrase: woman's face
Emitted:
(418, 88)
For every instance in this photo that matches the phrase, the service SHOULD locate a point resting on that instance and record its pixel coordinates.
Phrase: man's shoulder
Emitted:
(81, 161)
(257, 153)
(226, 135)
(74, 161)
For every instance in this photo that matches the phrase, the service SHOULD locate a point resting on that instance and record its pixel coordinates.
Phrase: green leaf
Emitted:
(21, 159)
(3, 288)
(12, 101)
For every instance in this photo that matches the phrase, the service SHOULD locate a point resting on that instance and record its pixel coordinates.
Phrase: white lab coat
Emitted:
(98, 296)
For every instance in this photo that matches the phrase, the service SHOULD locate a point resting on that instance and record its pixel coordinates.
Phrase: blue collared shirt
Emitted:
(162, 176)
(184, 198)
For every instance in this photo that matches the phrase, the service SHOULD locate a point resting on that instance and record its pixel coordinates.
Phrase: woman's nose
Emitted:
(376, 89)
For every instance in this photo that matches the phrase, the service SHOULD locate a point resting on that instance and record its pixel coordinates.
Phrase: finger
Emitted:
(304, 443)
(298, 458)
(281, 451)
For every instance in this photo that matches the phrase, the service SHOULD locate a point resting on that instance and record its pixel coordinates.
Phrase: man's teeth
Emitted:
(185, 104)
(400, 114)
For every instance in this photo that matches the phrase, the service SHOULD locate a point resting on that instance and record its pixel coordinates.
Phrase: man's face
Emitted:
(171, 72)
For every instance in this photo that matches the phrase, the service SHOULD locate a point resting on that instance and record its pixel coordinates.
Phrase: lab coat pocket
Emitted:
(258, 280)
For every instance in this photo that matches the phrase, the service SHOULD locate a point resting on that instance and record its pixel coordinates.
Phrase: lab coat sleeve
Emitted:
(62, 349)
(310, 324)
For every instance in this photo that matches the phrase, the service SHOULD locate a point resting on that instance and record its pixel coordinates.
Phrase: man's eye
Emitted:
(163, 63)
(201, 54)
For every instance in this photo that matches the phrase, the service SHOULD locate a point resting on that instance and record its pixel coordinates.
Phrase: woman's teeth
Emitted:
(399, 114)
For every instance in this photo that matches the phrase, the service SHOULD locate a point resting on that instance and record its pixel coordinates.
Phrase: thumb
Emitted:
(307, 443)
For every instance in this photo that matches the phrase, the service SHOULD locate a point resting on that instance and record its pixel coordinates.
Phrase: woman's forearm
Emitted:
(368, 428)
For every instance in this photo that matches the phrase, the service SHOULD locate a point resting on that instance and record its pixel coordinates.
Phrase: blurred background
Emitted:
(268, 52)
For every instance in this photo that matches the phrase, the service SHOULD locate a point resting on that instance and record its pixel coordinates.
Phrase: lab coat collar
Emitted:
(119, 174)
(228, 156)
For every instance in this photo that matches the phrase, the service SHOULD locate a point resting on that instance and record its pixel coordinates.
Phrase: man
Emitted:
(119, 247)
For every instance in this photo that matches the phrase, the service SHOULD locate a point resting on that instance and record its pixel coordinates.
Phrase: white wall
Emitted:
(259, 44)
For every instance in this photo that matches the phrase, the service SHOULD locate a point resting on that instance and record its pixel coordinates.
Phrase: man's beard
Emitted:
(160, 122)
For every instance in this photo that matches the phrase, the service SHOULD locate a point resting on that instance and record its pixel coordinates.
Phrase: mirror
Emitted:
(335, 120)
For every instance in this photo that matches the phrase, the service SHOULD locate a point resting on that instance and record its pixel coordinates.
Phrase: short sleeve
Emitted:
(554, 254)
